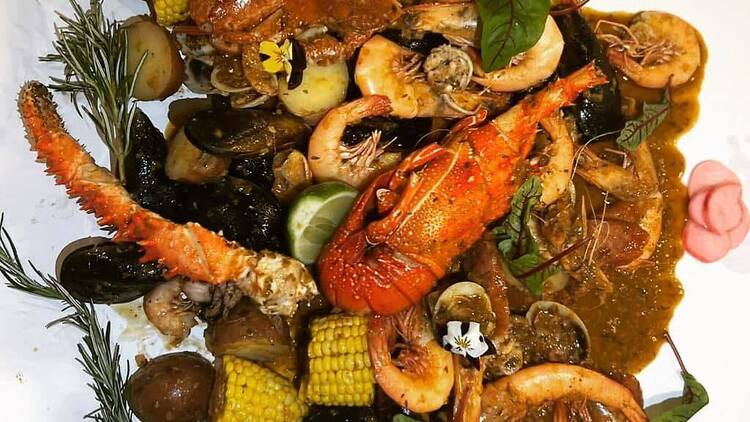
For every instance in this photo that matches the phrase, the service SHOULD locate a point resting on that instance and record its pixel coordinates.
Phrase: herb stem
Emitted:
(565, 252)
(669, 340)
(99, 356)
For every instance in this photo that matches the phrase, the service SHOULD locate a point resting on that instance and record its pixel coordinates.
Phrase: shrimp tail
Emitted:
(275, 281)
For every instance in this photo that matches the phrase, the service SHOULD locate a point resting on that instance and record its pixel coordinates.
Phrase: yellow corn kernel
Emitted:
(170, 12)
(339, 363)
(246, 392)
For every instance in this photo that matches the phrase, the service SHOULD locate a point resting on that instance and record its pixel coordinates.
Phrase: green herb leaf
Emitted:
(518, 248)
(510, 233)
(509, 27)
(694, 398)
(403, 418)
(680, 409)
(640, 128)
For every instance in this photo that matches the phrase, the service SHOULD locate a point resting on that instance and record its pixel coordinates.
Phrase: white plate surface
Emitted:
(40, 381)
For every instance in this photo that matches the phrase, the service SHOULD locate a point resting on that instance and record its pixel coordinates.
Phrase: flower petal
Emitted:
(269, 48)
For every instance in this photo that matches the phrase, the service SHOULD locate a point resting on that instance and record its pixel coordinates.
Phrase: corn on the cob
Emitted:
(170, 12)
(340, 373)
(247, 392)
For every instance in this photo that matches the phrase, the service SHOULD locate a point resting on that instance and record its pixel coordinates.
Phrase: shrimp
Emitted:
(356, 165)
(386, 68)
(170, 310)
(455, 21)
(637, 188)
(509, 398)
(420, 378)
(657, 49)
(555, 175)
(528, 68)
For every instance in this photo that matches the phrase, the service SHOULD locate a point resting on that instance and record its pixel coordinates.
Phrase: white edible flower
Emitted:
(469, 342)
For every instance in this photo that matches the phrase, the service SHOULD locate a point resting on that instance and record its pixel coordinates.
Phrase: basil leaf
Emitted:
(403, 418)
(694, 398)
(640, 128)
(509, 27)
(510, 232)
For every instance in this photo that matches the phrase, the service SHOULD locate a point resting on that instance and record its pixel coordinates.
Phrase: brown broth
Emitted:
(627, 331)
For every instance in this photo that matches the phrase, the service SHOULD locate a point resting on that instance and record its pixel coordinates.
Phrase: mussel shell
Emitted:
(599, 110)
(422, 45)
(146, 180)
(258, 169)
(241, 210)
(102, 271)
(241, 133)
(405, 132)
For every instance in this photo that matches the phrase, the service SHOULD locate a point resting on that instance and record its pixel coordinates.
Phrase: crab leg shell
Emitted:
(275, 281)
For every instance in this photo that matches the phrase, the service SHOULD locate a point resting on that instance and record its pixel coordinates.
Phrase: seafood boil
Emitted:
(379, 211)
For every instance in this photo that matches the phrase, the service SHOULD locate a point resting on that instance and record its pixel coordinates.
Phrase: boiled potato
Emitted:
(322, 88)
(187, 163)
(163, 69)
(175, 387)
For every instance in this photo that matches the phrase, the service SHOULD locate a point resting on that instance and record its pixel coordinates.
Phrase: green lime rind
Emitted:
(314, 216)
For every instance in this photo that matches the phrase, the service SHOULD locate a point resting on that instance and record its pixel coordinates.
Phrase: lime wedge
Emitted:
(314, 216)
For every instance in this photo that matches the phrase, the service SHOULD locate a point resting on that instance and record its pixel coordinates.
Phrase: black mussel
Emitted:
(145, 178)
(255, 169)
(241, 210)
(340, 414)
(422, 45)
(238, 133)
(598, 111)
(400, 135)
(102, 271)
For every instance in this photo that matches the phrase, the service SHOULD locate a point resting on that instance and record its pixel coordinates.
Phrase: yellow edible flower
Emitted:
(279, 58)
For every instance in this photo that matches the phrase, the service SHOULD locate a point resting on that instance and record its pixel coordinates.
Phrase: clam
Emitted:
(98, 270)
(560, 334)
(464, 301)
(242, 133)
(198, 76)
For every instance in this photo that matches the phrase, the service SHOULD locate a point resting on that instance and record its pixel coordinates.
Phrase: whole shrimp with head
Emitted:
(435, 205)
(356, 165)
(420, 377)
(418, 86)
(655, 50)
(458, 22)
(276, 282)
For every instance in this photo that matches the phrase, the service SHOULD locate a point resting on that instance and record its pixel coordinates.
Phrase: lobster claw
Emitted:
(359, 270)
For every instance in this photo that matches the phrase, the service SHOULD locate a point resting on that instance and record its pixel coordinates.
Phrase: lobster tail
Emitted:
(275, 281)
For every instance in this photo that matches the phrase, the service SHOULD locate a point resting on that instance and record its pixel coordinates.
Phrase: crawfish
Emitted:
(278, 283)
(435, 205)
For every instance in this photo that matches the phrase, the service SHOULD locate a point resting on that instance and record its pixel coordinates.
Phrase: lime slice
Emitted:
(314, 216)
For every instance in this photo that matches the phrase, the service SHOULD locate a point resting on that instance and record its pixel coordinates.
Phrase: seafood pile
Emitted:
(376, 225)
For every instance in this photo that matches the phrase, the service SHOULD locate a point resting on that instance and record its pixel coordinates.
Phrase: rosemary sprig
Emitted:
(94, 51)
(99, 356)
